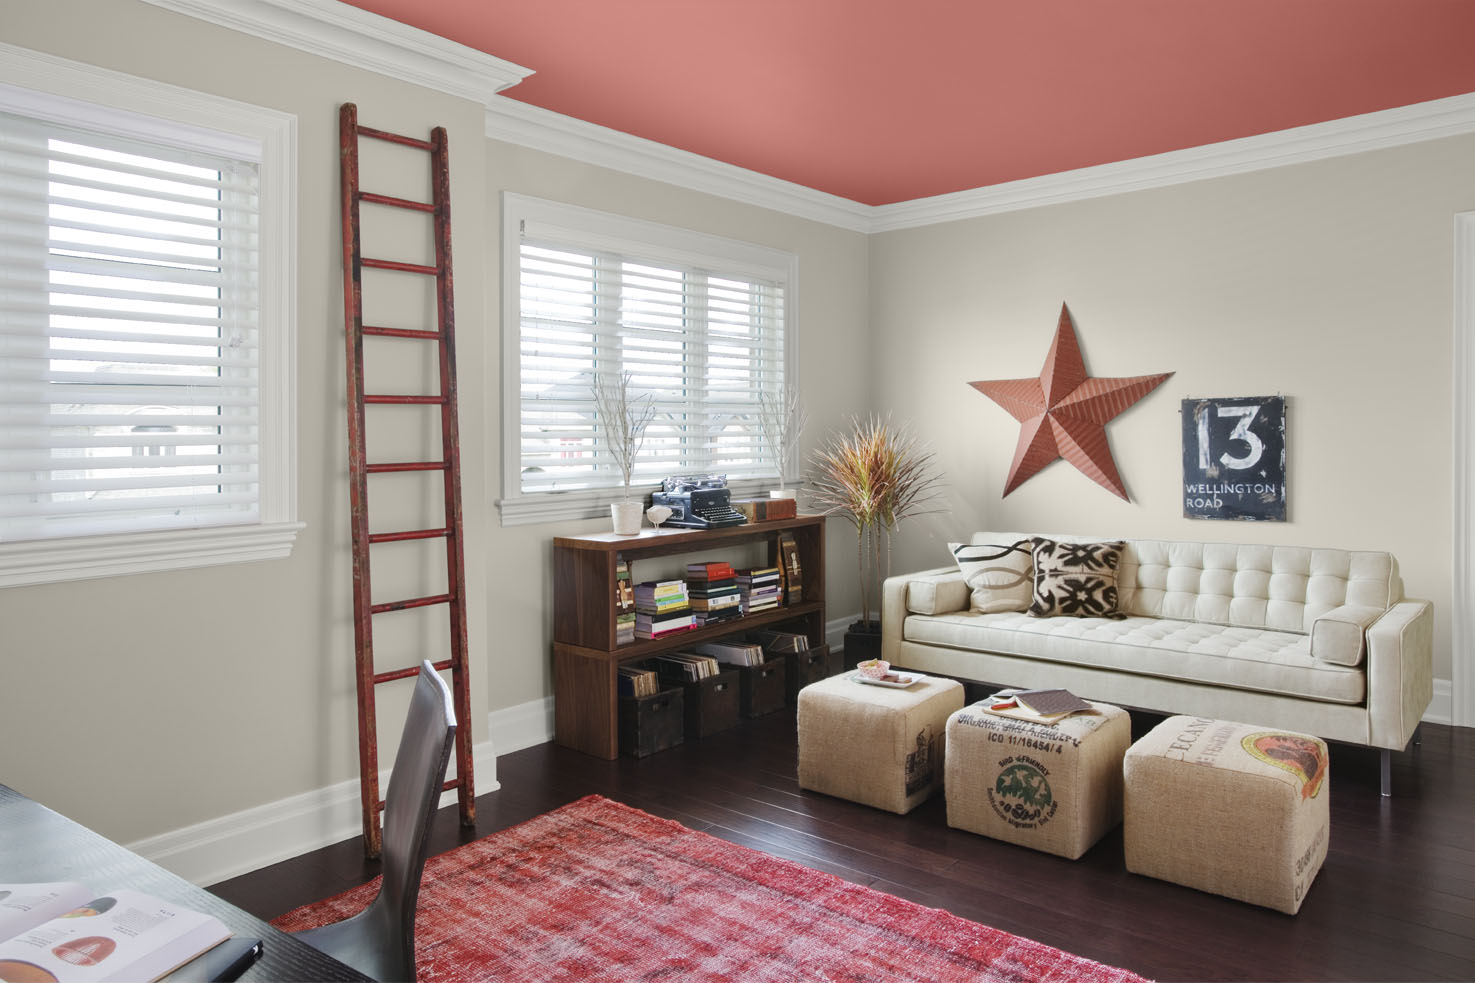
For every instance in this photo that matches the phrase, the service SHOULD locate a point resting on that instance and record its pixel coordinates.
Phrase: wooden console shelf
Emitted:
(585, 655)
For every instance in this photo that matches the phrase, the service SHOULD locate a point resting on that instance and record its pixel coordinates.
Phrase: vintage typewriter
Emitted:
(698, 501)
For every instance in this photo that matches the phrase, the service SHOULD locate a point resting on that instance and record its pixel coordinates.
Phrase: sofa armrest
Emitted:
(1400, 672)
(894, 601)
(1339, 635)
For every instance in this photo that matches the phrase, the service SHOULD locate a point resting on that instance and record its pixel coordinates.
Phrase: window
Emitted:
(145, 373)
(702, 325)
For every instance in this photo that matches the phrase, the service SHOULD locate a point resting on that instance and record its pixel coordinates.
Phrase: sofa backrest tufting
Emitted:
(1281, 587)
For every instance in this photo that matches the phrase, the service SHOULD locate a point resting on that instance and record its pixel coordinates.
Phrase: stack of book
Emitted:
(685, 667)
(624, 604)
(714, 592)
(662, 608)
(733, 653)
(635, 681)
(760, 589)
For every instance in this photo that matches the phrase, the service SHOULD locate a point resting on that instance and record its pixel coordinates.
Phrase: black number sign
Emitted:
(1234, 458)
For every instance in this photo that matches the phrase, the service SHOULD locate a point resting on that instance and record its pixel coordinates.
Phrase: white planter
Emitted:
(626, 516)
(783, 493)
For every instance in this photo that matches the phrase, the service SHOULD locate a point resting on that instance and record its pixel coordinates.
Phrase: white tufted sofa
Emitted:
(1316, 640)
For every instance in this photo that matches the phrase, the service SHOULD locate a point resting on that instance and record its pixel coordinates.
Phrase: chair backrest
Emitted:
(412, 799)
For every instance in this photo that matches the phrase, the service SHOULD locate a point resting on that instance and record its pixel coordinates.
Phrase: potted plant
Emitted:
(875, 476)
(781, 420)
(623, 419)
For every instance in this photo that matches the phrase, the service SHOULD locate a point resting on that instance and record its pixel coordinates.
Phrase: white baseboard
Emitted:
(514, 728)
(1441, 709)
(221, 848)
(835, 630)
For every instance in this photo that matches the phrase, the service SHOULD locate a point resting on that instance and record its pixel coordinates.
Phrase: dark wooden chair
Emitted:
(380, 940)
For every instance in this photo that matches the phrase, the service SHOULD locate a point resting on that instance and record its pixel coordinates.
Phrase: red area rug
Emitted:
(597, 890)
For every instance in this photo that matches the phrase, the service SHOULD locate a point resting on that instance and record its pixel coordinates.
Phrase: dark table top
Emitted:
(38, 845)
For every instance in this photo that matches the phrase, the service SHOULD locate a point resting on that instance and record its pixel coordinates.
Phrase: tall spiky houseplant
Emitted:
(875, 475)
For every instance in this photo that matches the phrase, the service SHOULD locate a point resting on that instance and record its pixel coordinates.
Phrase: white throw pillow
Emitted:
(1001, 574)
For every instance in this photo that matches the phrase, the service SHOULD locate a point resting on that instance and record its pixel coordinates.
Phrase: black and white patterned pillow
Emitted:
(1000, 574)
(1076, 580)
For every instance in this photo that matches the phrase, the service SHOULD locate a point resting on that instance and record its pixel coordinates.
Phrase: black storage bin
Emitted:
(808, 667)
(761, 688)
(651, 723)
(711, 704)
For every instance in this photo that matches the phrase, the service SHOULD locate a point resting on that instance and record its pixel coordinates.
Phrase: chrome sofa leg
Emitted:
(1419, 734)
(1387, 757)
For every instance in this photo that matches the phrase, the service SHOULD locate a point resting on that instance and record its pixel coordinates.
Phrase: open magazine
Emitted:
(64, 932)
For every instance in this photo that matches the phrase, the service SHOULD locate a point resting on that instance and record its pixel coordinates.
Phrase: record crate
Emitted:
(711, 704)
(809, 667)
(652, 723)
(761, 688)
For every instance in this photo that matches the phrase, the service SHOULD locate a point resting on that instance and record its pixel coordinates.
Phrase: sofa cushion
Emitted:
(1217, 655)
(1001, 575)
(937, 594)
(1340, 635)
(1075, 579)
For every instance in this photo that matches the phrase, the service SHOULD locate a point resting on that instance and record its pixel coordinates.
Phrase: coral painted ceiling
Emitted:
(889, 100)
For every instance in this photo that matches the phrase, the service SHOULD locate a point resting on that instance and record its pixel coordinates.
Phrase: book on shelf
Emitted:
(718, 602)
(793, 573)
(624, 589)
(1039, 706)
(677, 668)
(661, 625)
(65, 931)
(704, 618)
(637, 682)
(625, 628)
(781, 642)
(733, 653)
(760, 589)
(709, 570)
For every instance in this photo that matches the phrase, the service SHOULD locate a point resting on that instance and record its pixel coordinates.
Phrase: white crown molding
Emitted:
(541, 129)
(356, 37)
(1354, 134)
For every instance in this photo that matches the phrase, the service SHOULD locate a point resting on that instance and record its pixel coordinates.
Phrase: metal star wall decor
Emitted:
(1063, 413)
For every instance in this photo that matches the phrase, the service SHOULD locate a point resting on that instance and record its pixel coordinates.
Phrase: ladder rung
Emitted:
(399, 537)
(402, 333)
(414, 602)
(365, 131)
(406, 466)
(419, 206)
(393, 674)
(406, 400)
(446, 786)
(392, 264)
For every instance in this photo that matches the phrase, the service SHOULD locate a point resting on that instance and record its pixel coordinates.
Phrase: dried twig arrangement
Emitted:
(623, 419)
(781, 420)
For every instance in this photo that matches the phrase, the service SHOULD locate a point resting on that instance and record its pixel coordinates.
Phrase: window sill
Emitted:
(46, 561)
(559, 506)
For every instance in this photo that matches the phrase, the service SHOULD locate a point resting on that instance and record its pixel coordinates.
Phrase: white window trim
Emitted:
(519, 508)
(30, 80)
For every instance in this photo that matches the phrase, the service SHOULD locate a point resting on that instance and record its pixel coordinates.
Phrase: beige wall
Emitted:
(1330, 282)
(144, 704)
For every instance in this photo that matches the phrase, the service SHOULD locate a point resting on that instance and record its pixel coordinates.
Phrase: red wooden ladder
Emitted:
(444, 337)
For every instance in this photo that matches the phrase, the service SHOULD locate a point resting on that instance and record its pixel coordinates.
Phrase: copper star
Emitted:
(1064, 412)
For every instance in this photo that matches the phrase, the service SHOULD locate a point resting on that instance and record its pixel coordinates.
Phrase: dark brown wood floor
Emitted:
(1395, 900)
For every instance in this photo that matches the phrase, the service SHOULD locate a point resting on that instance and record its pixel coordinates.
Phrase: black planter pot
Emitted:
(862, 642)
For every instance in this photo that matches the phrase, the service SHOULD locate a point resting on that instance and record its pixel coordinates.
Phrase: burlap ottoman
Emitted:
(1056, 789)
(1229, 808)
(870, 744)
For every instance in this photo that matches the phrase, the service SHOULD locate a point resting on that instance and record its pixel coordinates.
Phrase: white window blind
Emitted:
(701, 333)
(129, 382)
